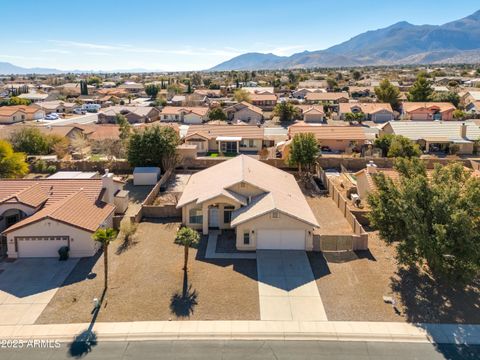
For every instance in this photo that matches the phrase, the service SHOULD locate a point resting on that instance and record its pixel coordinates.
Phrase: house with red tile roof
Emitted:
(39, 216)
(427, 111)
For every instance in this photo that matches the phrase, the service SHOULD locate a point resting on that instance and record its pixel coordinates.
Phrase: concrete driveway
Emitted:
(28, 285)
(287, 288)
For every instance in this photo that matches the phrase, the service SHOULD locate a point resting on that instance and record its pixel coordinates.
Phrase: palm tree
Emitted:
(188, 238)
(105, 237)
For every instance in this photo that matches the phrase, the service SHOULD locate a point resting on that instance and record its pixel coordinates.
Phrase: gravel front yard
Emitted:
(352, 286)
(147, 283)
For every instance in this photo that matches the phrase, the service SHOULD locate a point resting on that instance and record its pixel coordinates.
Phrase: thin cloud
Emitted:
(56, 51)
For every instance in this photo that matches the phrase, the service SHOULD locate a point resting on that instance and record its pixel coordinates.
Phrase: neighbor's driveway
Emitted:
(287, 288)
(28, 285)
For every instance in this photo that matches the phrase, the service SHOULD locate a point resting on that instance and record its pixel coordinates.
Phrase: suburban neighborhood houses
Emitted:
(329, 199)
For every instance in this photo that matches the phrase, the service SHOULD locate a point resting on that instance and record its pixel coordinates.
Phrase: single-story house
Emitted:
(18, 113)
(134, 114)
(132, 87)
(264, 205)
(376, 112)
(327, 97)
(56, 106)
(334, 138)
(473, 107)
(225, 138)
(302, 92)
(39, 216)
(365, 181)
(427, 111)
(437, 136)
(264, 100)
(245, 112)
(187, 115)
(470, 97)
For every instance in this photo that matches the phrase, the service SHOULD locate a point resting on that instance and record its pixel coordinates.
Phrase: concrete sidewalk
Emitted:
(252, 330)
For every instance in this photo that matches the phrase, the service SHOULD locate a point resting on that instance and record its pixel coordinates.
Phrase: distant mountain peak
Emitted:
(400, 43)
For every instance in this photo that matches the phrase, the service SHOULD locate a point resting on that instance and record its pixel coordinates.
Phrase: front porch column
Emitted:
(238, 147)
(205, 220)
(219, 144)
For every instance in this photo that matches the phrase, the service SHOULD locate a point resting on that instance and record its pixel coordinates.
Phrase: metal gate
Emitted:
(336, 243)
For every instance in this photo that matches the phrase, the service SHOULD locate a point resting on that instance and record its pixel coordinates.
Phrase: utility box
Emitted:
(146, 175)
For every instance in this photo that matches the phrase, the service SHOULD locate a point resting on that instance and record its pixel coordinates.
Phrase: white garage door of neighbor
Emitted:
(281, 239)
(40, 246)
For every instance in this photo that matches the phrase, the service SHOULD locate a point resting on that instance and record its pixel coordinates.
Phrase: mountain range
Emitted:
(8, 69)
(401, 43)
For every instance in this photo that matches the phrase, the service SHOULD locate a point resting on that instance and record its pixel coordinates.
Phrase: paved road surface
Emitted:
(279, 350)
(82, 119)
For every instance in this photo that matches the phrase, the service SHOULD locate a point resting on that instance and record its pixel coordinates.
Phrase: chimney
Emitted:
(371, 167)
(463, 131)
(109, 187)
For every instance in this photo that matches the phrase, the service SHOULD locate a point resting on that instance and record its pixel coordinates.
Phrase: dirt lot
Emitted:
(352, 286)
(328, 215)
(147, 283)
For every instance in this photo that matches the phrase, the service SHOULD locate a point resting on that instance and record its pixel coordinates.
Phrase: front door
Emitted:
(213, 217)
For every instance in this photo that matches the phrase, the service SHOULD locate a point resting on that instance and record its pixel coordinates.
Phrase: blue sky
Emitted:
(193, 35)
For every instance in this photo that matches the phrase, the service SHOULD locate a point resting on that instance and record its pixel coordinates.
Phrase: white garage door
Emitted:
(281, 239)
(40, 246)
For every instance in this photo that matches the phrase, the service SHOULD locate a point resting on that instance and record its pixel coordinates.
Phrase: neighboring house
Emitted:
(427, 111)
(187, 115)
(312, 113)
(33, 97)
(313, 84)
(18, 113)
(225, 138)
(264, 205)
(473, 107)
(73, 89)
(40, 216)
(365, 181)
(209, 93)
(132, 87)
(334, 138)
(264, 100)
(302, 92)
(437, 136)
(134, 114)
(470, 97)
(245, 112)
(327, 97)
(56, 106)
(361, 91)
(376, 112)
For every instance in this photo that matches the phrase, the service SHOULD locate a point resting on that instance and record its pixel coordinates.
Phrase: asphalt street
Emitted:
(288, 350)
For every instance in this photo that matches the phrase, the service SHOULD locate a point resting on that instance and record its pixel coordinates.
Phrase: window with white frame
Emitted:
(195, 215)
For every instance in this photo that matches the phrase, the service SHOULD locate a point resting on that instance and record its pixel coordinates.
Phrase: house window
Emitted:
(227, 214)
(195, 216)
(246, 237)
(251, 143)
(275, 214)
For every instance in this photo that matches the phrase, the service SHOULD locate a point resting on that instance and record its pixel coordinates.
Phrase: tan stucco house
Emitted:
(39, 216)
(245, 112)
(263, 204)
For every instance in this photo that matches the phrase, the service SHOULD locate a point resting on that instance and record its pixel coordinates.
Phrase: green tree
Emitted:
(383, 142)
(152, 90)
(458, 114)
(403, 147)
(303, 151)
(14, 100)
(83, 87)
(31, 141)
(155, 146)
(421, 90)
(286, 111)
(187, 238)
(105, 237)
(94, 80)
(357, 75)
(241, 95)
(12, 164)
(435, 219)
(331, 83)
(124, 126)
(448, 96)
(217, 113)
(386, 92)
(351, 117)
